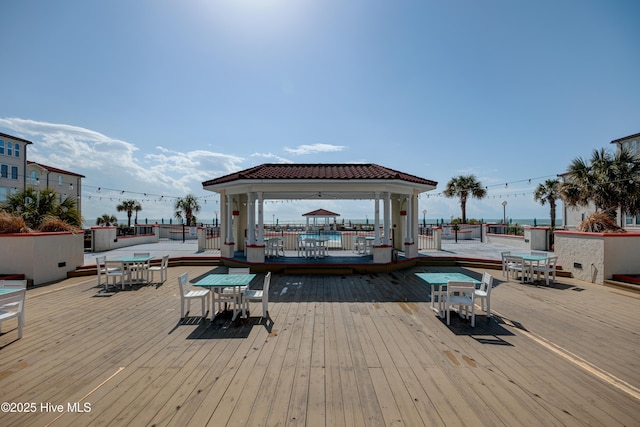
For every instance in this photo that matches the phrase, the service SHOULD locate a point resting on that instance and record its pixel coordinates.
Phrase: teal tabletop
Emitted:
(215, 280)
(4, 291)
(438, 279)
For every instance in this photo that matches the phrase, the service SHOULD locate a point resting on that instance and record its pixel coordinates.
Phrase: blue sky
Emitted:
(147, 96)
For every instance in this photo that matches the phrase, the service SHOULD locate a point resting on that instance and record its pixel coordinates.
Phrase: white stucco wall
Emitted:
(41, 257)
(595, 257)
(503, 239)
(105, 238)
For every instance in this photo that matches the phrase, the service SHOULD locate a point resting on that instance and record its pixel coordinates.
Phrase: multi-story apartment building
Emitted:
(13, 164)
(631, 143)
(17, 173)
(63, 182)
(572, 216)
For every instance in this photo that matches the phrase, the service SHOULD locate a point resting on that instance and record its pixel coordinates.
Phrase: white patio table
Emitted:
(217, 282)
(439, 281)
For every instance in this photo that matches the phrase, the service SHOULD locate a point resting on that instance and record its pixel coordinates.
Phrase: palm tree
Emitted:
(106, 219)
(610, 182)
(68, 211)
(548, 192)
(187, 206)
(35, 206)
(463, 187)
(128, 206)
(137, 208)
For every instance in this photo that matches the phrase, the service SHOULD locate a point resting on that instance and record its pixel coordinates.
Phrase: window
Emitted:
(1, 146)
(4, 171)
(59, 179)
(4, 193)
(9, 150)
(34, 178)
(14, 172)
(16, 150)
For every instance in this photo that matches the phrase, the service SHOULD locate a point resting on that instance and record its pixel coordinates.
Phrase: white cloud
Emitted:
(272, 156)
(116, 166)
(314, 149)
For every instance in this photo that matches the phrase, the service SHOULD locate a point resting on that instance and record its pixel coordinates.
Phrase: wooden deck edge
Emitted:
(622, 285)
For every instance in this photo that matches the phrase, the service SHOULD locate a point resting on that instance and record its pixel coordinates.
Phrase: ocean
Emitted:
(298, 222)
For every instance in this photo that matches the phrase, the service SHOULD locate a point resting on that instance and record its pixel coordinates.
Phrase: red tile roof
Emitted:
(626, 137)
(298, 171)
(321, 212)
(55, 170)
(4, 135)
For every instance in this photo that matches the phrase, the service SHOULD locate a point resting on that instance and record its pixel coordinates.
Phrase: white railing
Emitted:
(208, 238)
(430, 239)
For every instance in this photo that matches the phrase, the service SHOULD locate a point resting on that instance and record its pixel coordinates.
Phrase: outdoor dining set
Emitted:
(232, 288)
(457, 291)
(136, 269)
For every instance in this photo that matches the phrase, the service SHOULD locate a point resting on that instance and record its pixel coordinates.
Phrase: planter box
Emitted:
(596, 257)
(41, 257)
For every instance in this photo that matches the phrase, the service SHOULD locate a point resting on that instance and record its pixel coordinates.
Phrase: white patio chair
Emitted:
(504, 262)
(259, 295)
(546, 267)
(114, 270)
(461, 294)
(360, 245)
(300, 246)
(310, 248)
(187, 294)
(516, 264)
(269, 248)
(101, 271)
(162, 268)
(321, 248)
(12, 284)
(484, 292)
(13, 308)
(279, 247)
(141, 268)
(228, 294)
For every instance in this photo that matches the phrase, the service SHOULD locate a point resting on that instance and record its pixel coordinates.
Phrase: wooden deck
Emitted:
(339, 351)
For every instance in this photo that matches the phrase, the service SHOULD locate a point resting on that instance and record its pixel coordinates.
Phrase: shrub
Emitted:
(12, 224)
(600, 222)
(52, 223)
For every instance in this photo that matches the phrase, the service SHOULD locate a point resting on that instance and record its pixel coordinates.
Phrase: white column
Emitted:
(229, 220)
(407, 237)
(387, 219)
(377, 219)
(251, 219)
(260, 219)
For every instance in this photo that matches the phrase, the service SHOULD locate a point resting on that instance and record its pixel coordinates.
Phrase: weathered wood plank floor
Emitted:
(338, 351)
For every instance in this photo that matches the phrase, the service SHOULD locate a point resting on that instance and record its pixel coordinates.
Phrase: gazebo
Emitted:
(320, 213)
(242, 196)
